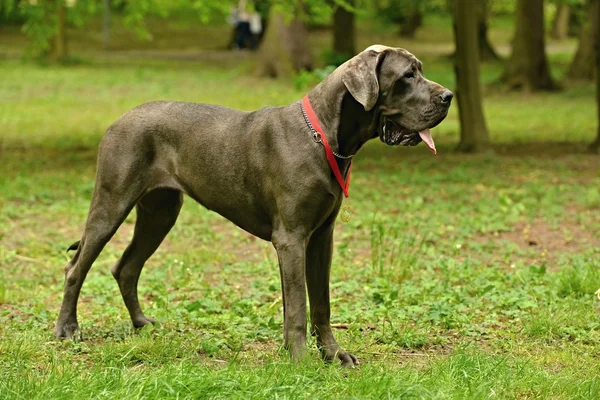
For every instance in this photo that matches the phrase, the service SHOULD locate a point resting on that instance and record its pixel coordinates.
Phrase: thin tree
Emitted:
(407, 14)
(473, 131)
(344, 37)
(106, 25)
(528, 67)
(413, 20)
(486, 51)
(595, 146)
(583, 66)
(560, 23)
(58, 45)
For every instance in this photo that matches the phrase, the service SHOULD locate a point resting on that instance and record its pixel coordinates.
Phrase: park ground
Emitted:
(458, 276)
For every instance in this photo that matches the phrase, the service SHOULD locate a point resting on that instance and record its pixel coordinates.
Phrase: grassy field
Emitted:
(457, 277)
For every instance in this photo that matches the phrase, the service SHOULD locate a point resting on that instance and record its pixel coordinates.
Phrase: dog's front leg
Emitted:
(291, 252)
(318, 265)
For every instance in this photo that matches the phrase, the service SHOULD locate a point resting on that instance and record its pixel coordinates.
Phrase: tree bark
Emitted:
(106, 25)
(595, 146)
(583, 66)
(343, 32)
(560, 23)
(285, 48)
(528, 67)
(473, 131)
(486, 51)
(59, 50)
(413, 22)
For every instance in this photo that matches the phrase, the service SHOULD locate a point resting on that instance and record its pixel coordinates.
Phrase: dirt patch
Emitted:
(540, 243)
(569, 238)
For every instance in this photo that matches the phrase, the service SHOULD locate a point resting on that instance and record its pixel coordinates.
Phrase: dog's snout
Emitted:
(446, 96)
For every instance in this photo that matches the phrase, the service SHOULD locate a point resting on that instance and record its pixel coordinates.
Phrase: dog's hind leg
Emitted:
(157, 212)
(108, 210)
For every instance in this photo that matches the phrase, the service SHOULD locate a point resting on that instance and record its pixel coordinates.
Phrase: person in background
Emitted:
(248, 26)
(256, 28)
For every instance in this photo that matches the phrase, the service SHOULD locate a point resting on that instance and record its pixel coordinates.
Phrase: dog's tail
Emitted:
(74, 246)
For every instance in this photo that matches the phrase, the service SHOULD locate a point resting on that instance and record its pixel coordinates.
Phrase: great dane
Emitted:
(267, 171)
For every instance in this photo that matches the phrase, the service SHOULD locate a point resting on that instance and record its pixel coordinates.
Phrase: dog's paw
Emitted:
(333, 353)
(67, 330)
(142, 322)
(348, 360)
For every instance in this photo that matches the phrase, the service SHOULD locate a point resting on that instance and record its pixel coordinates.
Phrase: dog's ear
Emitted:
(360, 76)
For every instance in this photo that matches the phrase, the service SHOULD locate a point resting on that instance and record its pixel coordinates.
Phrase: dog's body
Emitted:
(261, 170)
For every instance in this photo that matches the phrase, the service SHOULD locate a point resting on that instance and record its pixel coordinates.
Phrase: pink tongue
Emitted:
(428, 140)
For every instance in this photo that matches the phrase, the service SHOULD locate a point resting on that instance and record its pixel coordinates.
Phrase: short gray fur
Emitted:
(261, 170)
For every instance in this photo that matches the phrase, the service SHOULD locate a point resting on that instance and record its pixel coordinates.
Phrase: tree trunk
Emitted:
(560, 24)
(59, 50)
(473, 132)
(528, 66)
(583, 65)
(595, 146)
(486, 51)
(413, 22)
(343, 32)
(106, 25)
(285, 49)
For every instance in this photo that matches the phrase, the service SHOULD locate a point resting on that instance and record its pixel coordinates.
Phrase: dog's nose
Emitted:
(446, 96)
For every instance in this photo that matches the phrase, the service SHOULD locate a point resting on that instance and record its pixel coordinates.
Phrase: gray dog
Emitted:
(262, 170)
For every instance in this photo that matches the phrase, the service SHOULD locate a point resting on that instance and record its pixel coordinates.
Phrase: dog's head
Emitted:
(389, 82)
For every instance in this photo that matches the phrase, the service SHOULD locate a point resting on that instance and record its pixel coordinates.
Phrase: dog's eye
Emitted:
(409, 75)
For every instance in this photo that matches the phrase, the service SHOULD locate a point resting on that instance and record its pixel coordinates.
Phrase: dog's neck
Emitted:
(345, 122)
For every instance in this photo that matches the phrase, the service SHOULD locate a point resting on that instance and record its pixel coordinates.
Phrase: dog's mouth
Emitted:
(394, 134)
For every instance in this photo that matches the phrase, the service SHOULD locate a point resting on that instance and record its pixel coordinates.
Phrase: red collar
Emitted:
(314, 123)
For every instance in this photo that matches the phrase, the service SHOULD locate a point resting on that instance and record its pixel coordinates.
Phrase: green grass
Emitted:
(457, 277)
